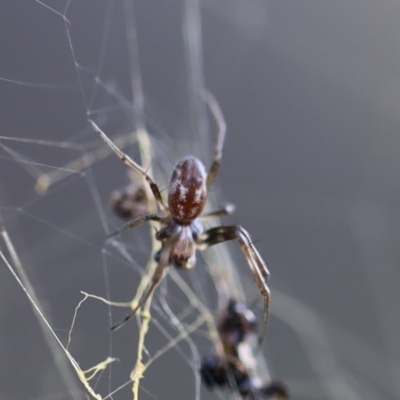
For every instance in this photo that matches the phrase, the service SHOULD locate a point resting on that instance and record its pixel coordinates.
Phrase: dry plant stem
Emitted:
(146, 157)
(137, 373)
(54, 342)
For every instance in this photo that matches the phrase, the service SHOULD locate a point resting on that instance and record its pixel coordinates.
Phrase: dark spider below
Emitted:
(236, 326)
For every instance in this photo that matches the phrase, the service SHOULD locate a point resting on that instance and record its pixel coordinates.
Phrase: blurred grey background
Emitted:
(310, 92)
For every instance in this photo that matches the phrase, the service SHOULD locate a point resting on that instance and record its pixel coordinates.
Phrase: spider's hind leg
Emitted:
(257, 266)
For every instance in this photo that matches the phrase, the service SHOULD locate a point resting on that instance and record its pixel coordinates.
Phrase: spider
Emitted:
(237, 325)
(181, 232)
(130, 201)
(231, 373)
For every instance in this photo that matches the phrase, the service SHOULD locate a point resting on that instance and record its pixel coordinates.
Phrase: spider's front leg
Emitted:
(257, 266)
(131, 164)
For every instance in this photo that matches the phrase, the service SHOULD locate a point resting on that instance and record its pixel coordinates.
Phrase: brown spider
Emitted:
(181, 232)
(236, 326)
(130, 201)
(232, 374)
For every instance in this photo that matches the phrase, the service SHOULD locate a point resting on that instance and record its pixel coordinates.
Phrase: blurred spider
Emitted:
(130, 202)
(181, 232)
(231, 373)
(237, 325)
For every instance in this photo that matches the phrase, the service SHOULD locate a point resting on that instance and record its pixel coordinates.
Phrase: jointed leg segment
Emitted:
(131, 164)
(221, 126)
(258, 268)
(227, 210)
(158, 274)
(133, 223)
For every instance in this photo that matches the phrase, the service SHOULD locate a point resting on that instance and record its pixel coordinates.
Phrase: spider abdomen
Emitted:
(187, 190)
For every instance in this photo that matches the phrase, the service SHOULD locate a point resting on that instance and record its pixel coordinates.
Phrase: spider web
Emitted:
(135, 69)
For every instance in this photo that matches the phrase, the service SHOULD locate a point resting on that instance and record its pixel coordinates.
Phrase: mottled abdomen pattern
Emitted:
(187, 191)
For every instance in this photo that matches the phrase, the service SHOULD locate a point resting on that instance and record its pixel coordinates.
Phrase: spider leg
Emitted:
(131, 164)
(136, 222)
(227, 210)
(221, 130)
(158, 274)
(258, 268)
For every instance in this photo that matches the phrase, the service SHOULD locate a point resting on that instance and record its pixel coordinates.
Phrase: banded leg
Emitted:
(257, 266)
(221, 131)
(133, 223)
(131, 164)
(227, 210)
(158, 274)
